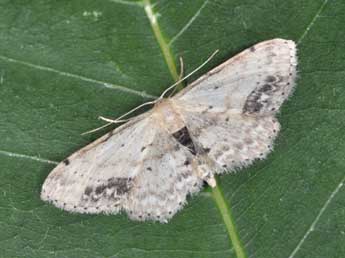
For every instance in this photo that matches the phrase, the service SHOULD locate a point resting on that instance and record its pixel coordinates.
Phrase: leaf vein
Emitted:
(79, 77)
(23, 156)
(188, 24)
(312, 22)
(133, 3)
(317, 218)
(169, 250)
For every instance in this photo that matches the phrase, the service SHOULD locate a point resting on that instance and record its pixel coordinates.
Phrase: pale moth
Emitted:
(147, 167)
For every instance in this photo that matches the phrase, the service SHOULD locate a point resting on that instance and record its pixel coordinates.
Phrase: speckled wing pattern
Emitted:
(137, 168)
(147, 167)
(98, 177)
(231, 110)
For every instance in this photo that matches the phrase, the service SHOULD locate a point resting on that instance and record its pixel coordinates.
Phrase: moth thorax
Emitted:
(168, 116)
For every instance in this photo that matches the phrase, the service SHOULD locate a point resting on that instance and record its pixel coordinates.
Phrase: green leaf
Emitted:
(63, 63)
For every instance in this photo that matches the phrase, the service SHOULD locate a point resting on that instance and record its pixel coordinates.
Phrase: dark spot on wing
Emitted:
(95, 198)
(149, 168)
(121, 184)
(262, 96)
(206, 150)
(257, 99)
(143, 148)
(66, 162)
(253, 104)
(100, 189)
(265, 88)
(270, 79)
(177, 147)
(88, 190)
(252, 49)
(183, 137)
(113, 189)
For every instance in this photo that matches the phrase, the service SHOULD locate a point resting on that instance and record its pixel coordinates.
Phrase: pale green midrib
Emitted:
(216, 192)
(161, 40)
(225, 211)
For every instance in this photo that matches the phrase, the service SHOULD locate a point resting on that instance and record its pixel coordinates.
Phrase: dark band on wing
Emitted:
(261, 97)
(113, 188)
(183, 137)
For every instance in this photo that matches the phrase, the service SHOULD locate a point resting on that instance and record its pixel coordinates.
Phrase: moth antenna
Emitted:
(120, 120)
(110, 121)
(188, 75)
(97, 129)
(117, 121)
(136, 108)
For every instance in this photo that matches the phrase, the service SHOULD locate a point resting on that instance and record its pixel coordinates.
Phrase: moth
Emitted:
(147, 167)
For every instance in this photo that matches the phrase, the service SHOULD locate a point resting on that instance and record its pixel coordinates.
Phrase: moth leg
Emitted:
(211, 181)
(204, 170)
